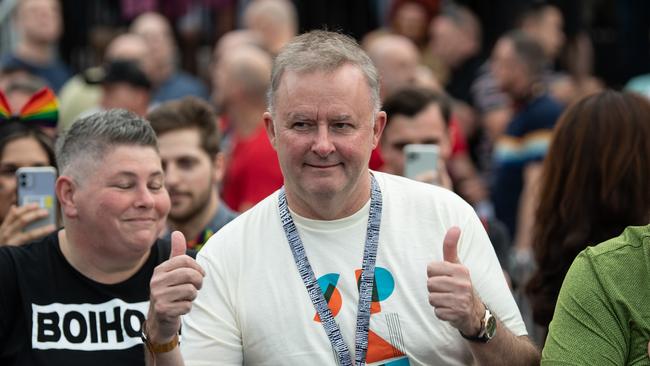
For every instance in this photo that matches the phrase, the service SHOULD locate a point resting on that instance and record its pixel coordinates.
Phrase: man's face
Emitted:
(158, 36)
(323, 131)
(123, 198)
(21, 152)
(220, 84)
(125, 96)
(411, 21)
(40, 20)
(508, 70)
(398, 69)
(191, 177)
(426, 127)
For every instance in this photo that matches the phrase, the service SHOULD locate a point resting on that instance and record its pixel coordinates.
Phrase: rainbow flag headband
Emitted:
(41, 110)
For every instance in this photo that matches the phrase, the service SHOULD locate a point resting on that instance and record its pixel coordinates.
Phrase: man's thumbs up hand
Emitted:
(450, 245)
(179, 244)
(450, 289)
(174, 285)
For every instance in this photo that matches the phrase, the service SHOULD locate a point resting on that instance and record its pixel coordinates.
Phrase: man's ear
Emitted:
(378, 128)
(218, 168)
(65, 189)
(270, 128)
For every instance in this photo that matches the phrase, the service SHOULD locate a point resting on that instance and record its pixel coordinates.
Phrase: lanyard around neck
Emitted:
(365, 282)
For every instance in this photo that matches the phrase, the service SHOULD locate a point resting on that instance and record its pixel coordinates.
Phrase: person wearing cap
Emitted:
(80, 94)
(125, 86)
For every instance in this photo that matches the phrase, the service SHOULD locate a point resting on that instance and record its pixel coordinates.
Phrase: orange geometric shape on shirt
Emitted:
(379, 349)
(335, 302)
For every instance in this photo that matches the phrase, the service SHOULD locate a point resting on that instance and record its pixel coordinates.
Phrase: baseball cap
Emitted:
(118, 71)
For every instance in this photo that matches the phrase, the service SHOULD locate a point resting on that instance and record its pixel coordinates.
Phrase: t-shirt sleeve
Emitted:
(211, 332)
(584, 329)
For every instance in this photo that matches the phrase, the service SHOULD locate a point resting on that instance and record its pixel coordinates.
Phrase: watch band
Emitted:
(155, 348)
(488, 328)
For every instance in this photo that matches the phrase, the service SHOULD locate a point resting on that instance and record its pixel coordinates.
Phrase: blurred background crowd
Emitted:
(499, 73)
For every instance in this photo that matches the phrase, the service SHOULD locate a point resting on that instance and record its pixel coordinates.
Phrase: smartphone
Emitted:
(420, 158)
(36, 185)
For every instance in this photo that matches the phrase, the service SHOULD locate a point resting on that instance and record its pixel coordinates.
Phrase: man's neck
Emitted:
(195, 225)
(94, 264)
(35, 53)
(161, 72)
(332, 207)
(246, 119)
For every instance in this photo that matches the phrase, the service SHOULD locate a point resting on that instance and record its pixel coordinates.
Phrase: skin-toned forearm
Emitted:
(505, 349)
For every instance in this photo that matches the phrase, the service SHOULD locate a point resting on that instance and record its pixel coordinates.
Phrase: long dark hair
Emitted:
(595, 182)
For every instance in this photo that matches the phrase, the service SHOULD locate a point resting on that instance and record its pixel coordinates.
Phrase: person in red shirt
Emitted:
(241, 79)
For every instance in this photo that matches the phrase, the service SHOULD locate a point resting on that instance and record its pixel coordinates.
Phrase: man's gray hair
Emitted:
(90, 138)
(323, 51)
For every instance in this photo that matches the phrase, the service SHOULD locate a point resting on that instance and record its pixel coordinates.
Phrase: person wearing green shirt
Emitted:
(602, 316)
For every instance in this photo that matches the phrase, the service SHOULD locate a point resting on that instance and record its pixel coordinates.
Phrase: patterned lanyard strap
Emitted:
(365, 282)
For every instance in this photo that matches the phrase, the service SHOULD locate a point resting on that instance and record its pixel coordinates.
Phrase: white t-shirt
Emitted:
(254, 309)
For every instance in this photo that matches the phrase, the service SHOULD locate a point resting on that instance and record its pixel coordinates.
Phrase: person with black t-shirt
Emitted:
(79, 296)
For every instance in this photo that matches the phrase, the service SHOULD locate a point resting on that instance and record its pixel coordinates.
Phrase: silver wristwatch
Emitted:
(488, 328)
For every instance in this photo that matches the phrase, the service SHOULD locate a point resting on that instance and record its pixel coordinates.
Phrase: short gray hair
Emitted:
(92, 137)
(323, 51)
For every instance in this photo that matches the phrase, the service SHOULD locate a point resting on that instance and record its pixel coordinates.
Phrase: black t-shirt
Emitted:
(50, 314)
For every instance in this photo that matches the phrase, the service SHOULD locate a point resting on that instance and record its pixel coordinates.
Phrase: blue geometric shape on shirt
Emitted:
(328, 283)
(384, 282)
(400, 362)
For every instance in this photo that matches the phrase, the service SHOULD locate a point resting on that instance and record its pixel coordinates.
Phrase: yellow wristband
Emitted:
(155, 347)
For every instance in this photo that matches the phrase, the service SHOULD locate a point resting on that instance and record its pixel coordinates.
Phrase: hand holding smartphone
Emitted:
(36, 185)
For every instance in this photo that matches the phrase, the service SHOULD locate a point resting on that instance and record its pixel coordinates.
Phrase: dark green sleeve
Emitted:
(585, 329)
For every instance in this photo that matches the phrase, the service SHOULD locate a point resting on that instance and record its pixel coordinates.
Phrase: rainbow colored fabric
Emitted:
(41, 109)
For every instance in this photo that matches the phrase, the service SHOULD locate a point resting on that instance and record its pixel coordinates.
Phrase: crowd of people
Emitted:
(264, 212)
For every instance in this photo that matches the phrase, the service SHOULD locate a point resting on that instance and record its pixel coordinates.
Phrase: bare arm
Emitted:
(505, 349)
(452, 295)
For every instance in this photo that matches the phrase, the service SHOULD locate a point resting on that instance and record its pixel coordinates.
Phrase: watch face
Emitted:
(491, 327)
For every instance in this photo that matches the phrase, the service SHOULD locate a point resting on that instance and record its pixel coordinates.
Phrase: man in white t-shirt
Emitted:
(343, 265)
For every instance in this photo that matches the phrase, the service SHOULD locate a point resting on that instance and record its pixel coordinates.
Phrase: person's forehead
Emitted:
(133, 156)
(322, 86)
(152, 25)
(428, 122)
(23, 149)
(504, 48)
(180, 141)
(34, 4)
